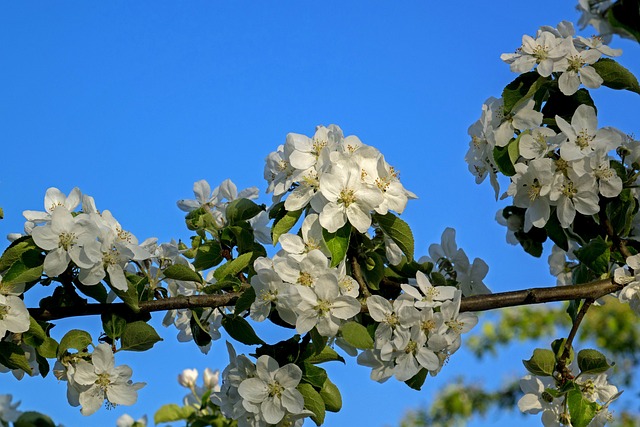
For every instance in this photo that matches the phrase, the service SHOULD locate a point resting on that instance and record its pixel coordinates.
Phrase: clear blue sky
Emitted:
(134, 101)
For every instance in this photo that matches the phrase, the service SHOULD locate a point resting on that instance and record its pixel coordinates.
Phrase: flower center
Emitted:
(391, 319)
(584, 139)
(534, 190)
(455, 325)
(305, 279)
(275, 389)
(347, 197)
(103, 381)
(540, 53)
(575, 63)
(323, 307)
(428, 326)
(569, 190)
(4, 310)
(269, 295)
(66, 240)
(318, 146)
(411, 348)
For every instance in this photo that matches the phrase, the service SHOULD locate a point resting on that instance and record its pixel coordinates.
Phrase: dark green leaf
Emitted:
(113, 325)
(33, 419)
(207, 256)
(625, 14)
(15, 251)
(564, 106)
(35, 336)
(592, 362)
(199, 332)
(556, 233)
(374, 270)
(503, 161)
(338, 243)
(616, 76)
(242, 210)
(313, 375)
(620, 212)
(27, 268)
(12, 356)
(97, 291)
(318, 341)
(519, 89)
(417, 380)
(398, 231)
(595, 255)
(138, 336)
(240, 330)
(326, 355)
(244, 302)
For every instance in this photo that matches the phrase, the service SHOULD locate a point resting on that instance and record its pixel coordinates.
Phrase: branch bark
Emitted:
(592, 290)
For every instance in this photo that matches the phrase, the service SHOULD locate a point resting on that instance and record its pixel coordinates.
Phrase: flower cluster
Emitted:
(260, 394)
(419, 330)
(339, 177)
(543, 394)
(92, 380)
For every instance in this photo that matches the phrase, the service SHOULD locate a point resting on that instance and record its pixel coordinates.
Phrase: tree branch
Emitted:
(593, 290)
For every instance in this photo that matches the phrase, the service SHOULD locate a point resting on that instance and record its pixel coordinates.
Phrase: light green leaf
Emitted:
(27, 268)
(326, 355)
(338, 243)
(313, 375)
(138, 336)
(581, 410)
(35, 336)
(182, 272)
(12, 356)
(313, 402)
(233, 267)
(33, 419)
(172, 412)
(48, 349)
(398, 231)
(356, 335)
(242, 210)
(283, 224)
(75, 339)
(331, 396)
(15, 250)
(542, 363)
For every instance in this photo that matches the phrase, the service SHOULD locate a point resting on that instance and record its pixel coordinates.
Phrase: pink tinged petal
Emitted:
(272, 411)
(345, 307)
(56, 262)
(332, 217)
(590, 78)
(569, 83)
(293, 401)
(122, 394)
(103, 359)
(253, 390)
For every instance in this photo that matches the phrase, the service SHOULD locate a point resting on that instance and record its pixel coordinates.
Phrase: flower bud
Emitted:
(188, 378)
(212, 379)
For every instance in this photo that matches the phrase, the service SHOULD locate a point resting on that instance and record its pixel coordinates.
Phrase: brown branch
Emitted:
(566, 352)
(593, 290)
(356, 271)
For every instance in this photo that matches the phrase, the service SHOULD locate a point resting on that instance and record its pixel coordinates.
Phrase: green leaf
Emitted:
(398, 231)
(620, 212)
(199, 332)
(130, 296)
(313, 375)
(183, 273)
(519, 89)
(242, 210)
(542, 363)
(233, 267)
(48, 349)
(374, 270)
(625, 14)
(556, 233)
(33, 419)
(338, 243)
(313, 402)
(558, 349)
(592, 362)
(503, 161)
(356, 335)
(113, 325)
(97, 291)
(285, 223)
(418, 379)
(564, 106)
(75, 339)
(595, 255)
(616, 76)
(172, 412)
(35, 336)
(15, 251)
(207, 256)
(318, 342)
(581, 410)
(240, 330)
(138, 336)
(331, 396)
(12, 356)
(244, 302)
(27, 268)
(326, 355)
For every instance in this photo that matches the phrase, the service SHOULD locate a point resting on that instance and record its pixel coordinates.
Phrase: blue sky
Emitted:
(134, 101)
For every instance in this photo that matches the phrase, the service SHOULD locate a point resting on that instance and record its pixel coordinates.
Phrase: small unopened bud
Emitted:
(188, 378)
(212, 379)
(546, 396)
